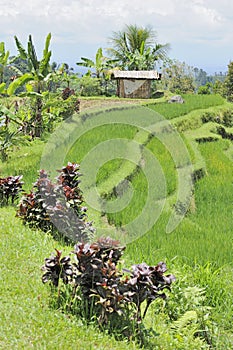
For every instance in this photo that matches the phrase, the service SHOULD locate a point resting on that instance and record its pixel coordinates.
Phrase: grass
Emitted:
(24, 161)
(198, 252)
(192, 102)
(27, 320)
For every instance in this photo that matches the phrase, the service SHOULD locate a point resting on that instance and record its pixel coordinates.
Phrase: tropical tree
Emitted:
(178, 77)
(101, 64)
(136, 48)
(38, 74)
(4, 60)
(229, 83)
(9, 136)
(102, 67)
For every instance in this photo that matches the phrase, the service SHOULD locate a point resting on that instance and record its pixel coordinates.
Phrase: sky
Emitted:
(200, 32)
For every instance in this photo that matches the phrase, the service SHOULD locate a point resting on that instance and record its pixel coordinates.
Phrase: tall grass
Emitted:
(97, 135)
(24, 161)
(26, 316)
(199, 252)
(192, 102)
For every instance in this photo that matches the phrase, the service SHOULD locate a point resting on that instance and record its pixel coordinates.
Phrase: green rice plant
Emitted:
(192, 102)
(25, 161)
(165, 160)
(97, 135)
(138, 200)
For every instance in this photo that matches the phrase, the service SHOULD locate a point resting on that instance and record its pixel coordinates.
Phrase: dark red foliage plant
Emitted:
(57, 207)
(107, 291)
(10, 188)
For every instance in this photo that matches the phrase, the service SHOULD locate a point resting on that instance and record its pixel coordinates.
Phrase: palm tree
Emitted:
(39, 72)
(135, 48)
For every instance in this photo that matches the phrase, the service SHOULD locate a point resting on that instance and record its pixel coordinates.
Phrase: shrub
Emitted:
(208, 117)
(57, 207)
(225, 135)
(90, 86)
(229, 83)
(64, 107)
(205, 89)
(227, 118)
(10, 188)
(104, 290)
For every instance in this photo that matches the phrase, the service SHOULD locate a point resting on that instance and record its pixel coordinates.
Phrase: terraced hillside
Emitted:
(167, 167)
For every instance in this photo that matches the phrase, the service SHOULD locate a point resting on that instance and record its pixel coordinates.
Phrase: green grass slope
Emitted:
(198, 251)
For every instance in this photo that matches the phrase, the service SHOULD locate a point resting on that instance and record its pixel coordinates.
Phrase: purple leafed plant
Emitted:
(57, 207)
(10, 188)
(95, 275)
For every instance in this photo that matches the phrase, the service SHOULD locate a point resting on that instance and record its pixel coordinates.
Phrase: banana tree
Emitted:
(101, 65)
(38, 74)
(10, 136)
(4, 61)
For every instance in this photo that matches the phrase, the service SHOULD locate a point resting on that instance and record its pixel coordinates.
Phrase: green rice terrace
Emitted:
(187, 307)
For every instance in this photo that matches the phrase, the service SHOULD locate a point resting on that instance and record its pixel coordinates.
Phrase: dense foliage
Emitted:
(229, 83)
(136, 48)
(57, 207)
(104, 289)
(10, 188)
(93, 284)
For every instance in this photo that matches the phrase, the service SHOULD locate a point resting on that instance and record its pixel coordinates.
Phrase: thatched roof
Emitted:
(136, 74)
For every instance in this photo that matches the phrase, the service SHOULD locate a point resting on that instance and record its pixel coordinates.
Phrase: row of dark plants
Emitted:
(225, 135)
(57, 206)
(94, 287)
(225, 118)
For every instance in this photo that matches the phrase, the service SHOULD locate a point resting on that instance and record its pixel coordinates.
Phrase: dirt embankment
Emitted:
(90, 104)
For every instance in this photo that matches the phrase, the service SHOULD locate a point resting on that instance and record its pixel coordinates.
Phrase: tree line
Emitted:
(133, 48)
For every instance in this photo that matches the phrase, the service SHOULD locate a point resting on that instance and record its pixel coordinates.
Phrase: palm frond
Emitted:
(16, 70)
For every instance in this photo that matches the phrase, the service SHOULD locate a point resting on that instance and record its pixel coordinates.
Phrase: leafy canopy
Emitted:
(136, 48)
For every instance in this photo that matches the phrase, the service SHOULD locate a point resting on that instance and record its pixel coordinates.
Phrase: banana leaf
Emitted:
(19, 82)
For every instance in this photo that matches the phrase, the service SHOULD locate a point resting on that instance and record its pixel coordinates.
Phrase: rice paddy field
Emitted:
(198, 313)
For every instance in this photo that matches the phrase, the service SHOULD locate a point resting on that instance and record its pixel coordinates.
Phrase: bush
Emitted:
(227, 118)
(57, 207)
(64, 107)
(10, 188)
(205, 89)
(208, 117)
(90, 86)
(103, 290)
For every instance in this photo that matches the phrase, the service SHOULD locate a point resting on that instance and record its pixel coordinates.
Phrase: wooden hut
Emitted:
(135, 84)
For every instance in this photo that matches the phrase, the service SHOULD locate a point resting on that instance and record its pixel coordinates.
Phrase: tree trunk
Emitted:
(38, 118)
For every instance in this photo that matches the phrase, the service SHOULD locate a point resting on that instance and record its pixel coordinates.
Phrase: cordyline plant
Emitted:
(10, 188)
(57, 207)
(95, 278)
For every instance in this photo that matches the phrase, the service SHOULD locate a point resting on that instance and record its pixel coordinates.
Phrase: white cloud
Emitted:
(79, 27)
